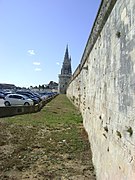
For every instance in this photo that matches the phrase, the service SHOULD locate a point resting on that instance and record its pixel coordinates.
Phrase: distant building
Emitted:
(7, 86)
(53, 85)
(66, 73)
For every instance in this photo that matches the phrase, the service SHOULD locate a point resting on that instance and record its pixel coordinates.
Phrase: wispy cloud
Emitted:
(58, 63)
(36, 63)
(31, 52)
(38, 69)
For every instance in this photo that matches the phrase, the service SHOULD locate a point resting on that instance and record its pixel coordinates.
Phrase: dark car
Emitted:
(37, 95)
(31, 93)
(35, 99)
(50, 94)
(5, 92)
(2, 95)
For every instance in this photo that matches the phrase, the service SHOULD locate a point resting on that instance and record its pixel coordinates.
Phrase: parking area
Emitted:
(1, 102)
(24, 97)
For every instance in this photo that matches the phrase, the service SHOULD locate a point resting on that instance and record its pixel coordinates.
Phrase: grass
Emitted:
(51, 143)
(58, 112)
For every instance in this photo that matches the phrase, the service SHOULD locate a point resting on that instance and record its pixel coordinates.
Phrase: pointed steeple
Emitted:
(70, 69)
(66, 57)
(66, 73)
(66, 68)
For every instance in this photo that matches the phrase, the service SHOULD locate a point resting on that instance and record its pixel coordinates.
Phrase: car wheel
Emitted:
(7, 103)
(26, 104)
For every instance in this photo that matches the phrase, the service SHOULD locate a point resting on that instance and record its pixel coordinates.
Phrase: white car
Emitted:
(17, 99)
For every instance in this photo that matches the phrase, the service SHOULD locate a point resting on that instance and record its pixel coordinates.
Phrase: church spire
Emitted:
(66, 73)
(66, 57)
(66, 68)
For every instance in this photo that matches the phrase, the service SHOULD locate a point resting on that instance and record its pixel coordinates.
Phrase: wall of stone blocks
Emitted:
(104, 91)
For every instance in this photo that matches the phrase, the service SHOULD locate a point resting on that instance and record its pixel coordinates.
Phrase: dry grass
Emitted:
(47, 145)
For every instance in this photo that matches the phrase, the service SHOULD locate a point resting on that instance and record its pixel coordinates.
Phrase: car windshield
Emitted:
(26, 94)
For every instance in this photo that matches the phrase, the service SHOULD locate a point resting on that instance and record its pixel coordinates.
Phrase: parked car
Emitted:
(44, 95)
(2, 96)
(35, 99)
(50, 94)
(5, 92)
(41, 97)
(17, 99)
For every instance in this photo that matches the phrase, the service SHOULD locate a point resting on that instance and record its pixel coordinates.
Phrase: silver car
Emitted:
(17, 100)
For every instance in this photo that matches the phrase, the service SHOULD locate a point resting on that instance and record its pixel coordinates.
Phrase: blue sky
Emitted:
(34, 35)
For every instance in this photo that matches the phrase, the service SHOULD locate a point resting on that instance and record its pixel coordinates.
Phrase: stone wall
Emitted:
(103, 88)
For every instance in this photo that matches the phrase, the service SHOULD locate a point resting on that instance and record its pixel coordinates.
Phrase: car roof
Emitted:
(16, 95)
